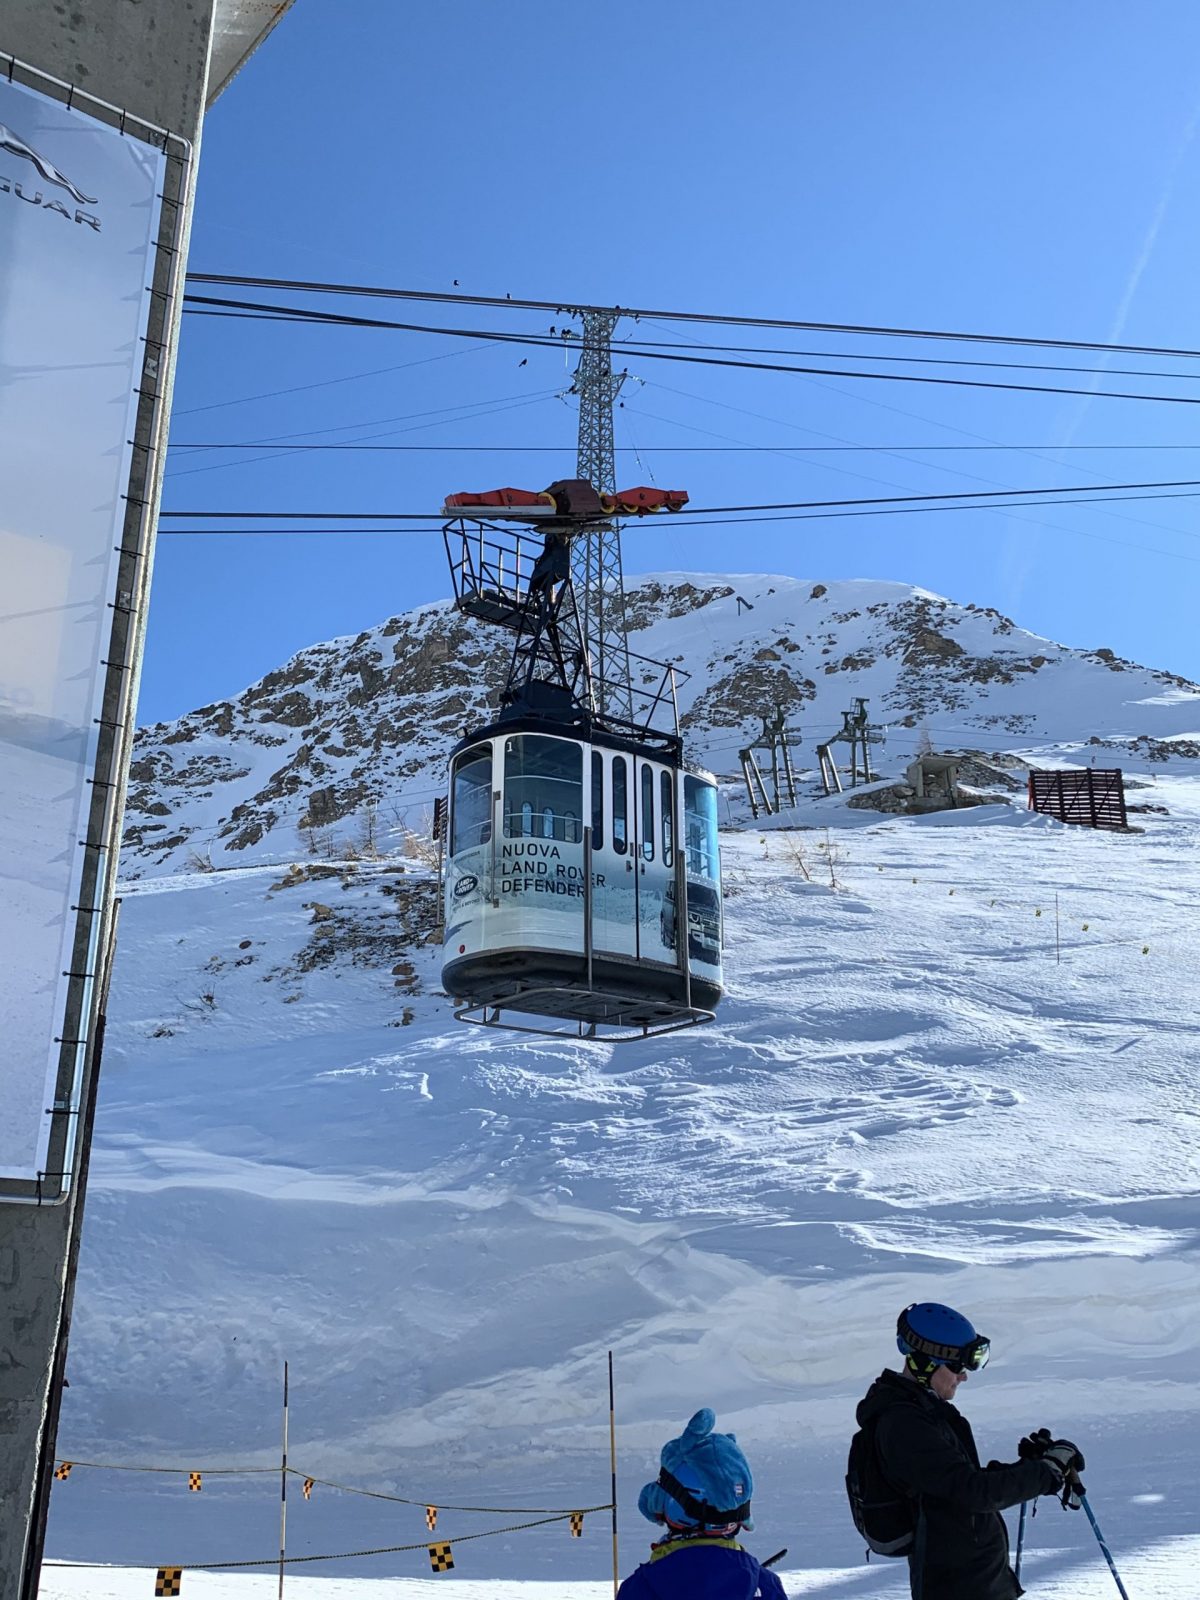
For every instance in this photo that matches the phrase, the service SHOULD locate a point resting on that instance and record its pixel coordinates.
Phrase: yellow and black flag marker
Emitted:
(308, 1488)
(431, 1517)
(168, 1581)
(195, 1482)
(63, 1471)
(440, 1557)
(577, 1524)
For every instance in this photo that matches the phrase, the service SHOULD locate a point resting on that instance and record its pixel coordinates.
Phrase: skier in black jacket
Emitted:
(927, 1452)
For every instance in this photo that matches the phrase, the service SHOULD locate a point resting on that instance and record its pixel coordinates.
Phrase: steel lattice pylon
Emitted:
(596, 558)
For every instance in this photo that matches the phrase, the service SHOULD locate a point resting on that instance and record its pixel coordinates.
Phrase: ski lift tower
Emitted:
(777, 741)
(860, 734)
(596, 575)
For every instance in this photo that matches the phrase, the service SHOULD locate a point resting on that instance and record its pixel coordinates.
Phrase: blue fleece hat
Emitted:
(705, 1481)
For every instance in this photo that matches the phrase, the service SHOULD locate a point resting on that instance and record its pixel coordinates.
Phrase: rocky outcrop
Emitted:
(349, 738)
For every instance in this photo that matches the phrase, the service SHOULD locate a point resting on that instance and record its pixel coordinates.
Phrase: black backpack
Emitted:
(885, 1518)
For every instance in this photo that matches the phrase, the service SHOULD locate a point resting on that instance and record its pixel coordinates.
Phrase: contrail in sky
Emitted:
(1143, 261)
(1019, 554)
(1156, 222)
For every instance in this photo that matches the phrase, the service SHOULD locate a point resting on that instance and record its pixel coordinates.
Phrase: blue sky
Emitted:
(1014, 168)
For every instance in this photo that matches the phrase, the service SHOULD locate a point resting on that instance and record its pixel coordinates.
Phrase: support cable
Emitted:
(677, 449)
(198, 304)
(1100, 491)
(564, 306)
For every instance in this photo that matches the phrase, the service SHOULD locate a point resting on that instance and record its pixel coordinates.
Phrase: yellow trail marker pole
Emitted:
(612, 1453)
(283, 1472)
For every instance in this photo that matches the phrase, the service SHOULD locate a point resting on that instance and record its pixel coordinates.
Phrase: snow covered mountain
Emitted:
(372, 717)
(957, 1061)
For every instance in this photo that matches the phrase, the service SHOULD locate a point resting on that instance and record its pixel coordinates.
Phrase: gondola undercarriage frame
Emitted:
(590, 1011)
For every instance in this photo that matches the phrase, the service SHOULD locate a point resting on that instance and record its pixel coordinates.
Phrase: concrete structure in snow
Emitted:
(934, 778)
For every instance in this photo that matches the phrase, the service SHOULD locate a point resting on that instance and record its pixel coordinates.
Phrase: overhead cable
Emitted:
(568, 446)
(567, 339)
(566, 306)
(479, 406)
(279, 450)
(1101, 491)
(641, 352)
(717, 522)
(880, 405)
(323, 383)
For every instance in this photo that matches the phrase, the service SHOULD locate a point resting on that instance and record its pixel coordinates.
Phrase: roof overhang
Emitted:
(239, 27)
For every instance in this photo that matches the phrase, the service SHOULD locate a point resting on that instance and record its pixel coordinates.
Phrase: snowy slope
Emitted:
(906, 1095)
(1163, 1570)
(372, 717)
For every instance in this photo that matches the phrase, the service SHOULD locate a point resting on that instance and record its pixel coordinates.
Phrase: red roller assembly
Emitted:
(499, 497)
(637, 502)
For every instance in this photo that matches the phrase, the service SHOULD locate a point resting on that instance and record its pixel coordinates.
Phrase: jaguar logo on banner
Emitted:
(11, 143)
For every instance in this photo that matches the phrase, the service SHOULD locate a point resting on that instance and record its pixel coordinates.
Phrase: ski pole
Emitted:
(771, 1560)
(1112, 1566)
(1020, 1538)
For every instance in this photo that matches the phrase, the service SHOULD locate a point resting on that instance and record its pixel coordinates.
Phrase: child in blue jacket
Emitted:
(702, 1498)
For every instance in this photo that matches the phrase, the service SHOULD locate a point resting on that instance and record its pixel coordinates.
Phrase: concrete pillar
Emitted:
(150, 58)
(33, 1254)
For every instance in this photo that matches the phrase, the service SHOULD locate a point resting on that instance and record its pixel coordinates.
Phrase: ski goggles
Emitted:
(971, 1357)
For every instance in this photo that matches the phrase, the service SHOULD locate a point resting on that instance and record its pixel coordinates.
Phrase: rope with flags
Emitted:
(309, 1481)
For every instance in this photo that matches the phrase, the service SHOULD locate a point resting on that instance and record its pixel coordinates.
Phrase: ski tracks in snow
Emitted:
(447, 1227)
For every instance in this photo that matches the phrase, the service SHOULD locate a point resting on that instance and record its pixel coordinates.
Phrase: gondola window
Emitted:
(700, 825)
(620, 805)
(668, 818)
(543, 788)
(597, 800)
(471, 821)
(647, 811)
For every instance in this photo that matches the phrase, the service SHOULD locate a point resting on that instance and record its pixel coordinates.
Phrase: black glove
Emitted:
(1043, 1446)
(1034, 1445)
(1065, 1457)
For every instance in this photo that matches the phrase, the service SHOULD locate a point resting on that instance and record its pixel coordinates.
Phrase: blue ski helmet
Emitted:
(929, 1335)
(704, 1482)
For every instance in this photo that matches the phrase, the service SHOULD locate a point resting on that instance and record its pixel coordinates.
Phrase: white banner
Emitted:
(79, 209)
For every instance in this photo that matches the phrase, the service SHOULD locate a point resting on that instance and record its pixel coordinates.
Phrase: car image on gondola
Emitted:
(704, 923)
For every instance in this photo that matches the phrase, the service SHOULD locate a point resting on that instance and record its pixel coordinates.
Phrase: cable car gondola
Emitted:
(582, 886)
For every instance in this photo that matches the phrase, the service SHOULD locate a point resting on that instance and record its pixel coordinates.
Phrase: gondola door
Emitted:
(655, 867)
(613, 905)
(634, 858)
